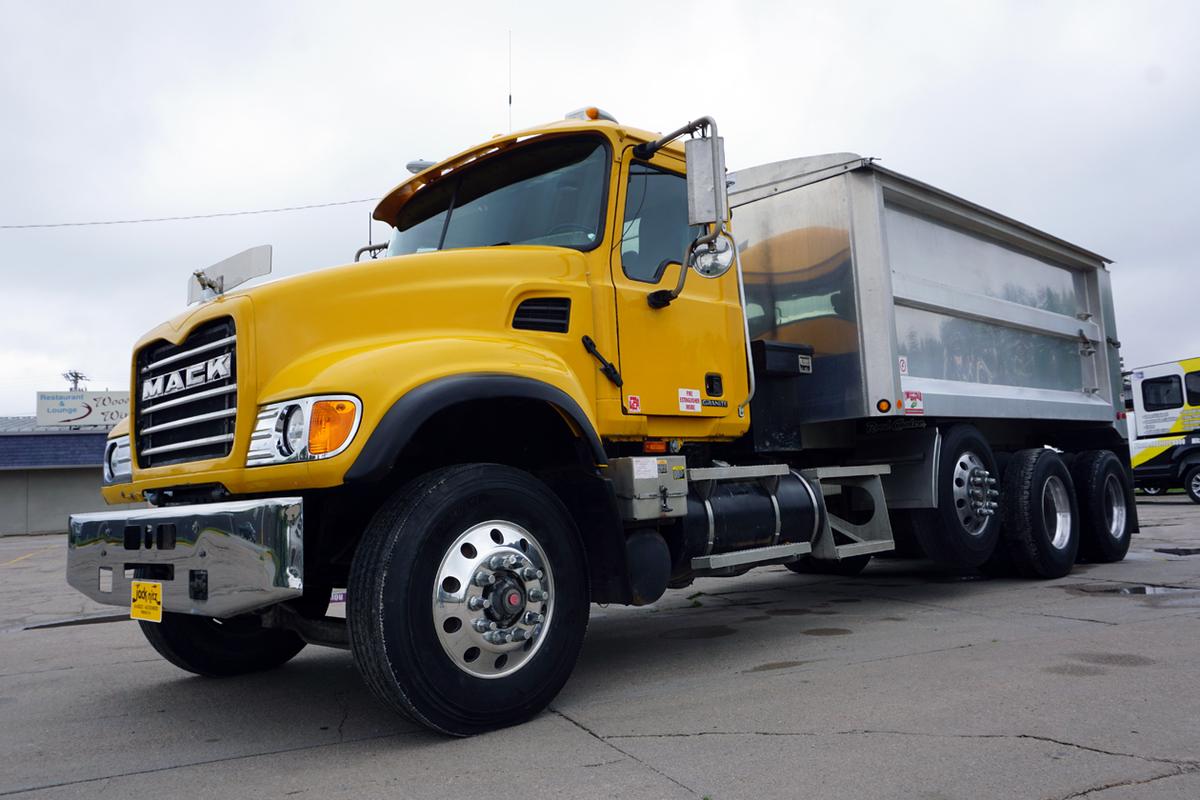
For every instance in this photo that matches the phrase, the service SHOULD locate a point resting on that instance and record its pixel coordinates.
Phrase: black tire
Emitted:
(1105, 499)
(1191, 483)
(807, 565)
(220, 648)
(393, 635)
(1037, 483)
(904, 534)
(942, 533)
(1153, 491)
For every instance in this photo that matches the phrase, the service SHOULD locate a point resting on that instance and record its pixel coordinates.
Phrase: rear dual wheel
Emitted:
(1040, 515)
(847, 567)
(963, 529)
(1105, 499)
(468, 599)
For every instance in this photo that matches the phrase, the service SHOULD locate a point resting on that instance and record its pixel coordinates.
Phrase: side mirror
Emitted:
(708, 199)
(714, 260)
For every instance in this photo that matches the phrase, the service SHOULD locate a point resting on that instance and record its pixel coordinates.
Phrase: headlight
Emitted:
(303, 430)
(294, 429)
(117, 467)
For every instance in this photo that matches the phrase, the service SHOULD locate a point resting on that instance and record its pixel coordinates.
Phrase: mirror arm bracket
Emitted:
(648, 149)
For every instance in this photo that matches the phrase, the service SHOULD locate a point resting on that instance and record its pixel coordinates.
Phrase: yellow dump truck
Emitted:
(591, 365)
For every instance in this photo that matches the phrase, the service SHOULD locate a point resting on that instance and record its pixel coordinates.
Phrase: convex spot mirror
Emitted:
(713, 260)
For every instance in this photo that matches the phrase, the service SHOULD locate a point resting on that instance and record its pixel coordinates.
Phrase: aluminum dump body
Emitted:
(914, 296)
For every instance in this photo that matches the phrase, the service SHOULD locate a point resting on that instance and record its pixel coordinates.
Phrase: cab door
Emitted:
(683, 366)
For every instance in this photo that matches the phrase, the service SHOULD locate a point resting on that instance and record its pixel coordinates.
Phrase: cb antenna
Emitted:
(510, 80)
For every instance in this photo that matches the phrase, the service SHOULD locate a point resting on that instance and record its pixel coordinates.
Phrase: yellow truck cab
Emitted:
(559, 384)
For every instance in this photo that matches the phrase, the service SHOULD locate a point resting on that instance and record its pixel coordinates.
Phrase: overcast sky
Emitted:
(1079, 118)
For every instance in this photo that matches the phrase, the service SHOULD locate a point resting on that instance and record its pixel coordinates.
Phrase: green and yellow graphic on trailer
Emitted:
(1164, 400)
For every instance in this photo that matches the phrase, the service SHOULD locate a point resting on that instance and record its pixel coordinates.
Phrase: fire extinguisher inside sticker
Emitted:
(689, 400)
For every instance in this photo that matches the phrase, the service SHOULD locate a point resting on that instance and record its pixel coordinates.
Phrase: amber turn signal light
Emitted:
(654, 446)
(884, 406)
(331, 425)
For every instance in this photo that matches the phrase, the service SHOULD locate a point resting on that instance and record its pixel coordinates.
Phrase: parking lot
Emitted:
(906, 682)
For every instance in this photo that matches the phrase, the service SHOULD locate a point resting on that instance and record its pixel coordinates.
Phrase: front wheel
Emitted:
(1153, 491)
(468, 599)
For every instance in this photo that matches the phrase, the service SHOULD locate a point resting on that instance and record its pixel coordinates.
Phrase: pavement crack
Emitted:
(605, 741)
(342, 701)
(201, 763)
(1074, 619)
(1121, 784)
(910, 655)
(1181, 764)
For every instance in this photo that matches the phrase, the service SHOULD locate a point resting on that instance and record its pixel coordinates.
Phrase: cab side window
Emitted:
(1191, 382)
(1160, 394)
(655, 231)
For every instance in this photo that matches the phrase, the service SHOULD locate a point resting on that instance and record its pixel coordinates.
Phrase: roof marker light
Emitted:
(592, 113)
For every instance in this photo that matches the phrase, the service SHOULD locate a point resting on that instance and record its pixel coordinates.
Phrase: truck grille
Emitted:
(186, 397)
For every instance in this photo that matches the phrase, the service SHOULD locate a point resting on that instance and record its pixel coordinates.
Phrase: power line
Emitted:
(190, 216)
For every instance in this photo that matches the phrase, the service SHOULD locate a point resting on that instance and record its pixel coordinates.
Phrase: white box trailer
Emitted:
(907, 297)
(908, 292)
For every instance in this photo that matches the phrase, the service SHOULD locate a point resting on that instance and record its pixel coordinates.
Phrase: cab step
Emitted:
(780, 553)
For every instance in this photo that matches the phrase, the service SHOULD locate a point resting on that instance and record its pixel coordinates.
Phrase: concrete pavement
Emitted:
(906, 682)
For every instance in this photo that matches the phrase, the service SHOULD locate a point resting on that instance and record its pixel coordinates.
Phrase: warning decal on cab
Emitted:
(914, 403)
(689, 400)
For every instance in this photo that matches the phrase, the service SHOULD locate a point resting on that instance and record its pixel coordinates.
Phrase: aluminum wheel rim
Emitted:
(1196, 485)
(1114, 507)
(486, 566)
(973, 496)
(1056, 509)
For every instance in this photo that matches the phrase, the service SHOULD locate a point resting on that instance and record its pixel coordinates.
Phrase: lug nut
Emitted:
(478, 603)
(483, 579)
(531, 574)
(532, 618)
(520, 635)
(483, 625)
(496, 637)
(538, 596)
(495, 562)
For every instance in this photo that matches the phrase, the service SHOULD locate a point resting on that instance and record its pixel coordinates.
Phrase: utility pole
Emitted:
(74, 376)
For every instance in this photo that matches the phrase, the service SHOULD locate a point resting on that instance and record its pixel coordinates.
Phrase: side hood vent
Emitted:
(549, 314)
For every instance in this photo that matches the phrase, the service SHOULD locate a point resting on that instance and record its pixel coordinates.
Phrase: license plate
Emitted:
(145, 600)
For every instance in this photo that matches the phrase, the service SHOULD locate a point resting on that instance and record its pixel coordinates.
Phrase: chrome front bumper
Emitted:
(214, 559)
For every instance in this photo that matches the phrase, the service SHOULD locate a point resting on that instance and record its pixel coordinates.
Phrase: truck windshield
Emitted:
(547, 192)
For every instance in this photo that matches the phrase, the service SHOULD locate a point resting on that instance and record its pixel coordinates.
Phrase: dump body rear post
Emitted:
(523, 404)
